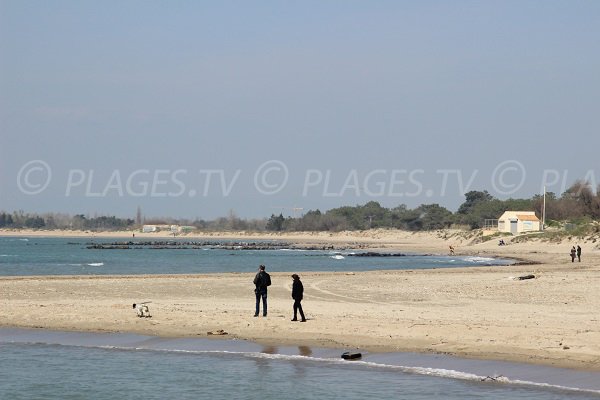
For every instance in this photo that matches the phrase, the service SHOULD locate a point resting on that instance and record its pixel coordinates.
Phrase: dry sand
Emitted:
(474, 312)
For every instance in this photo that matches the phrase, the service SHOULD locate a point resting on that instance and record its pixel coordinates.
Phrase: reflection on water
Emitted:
(305, 351)
(269, 349)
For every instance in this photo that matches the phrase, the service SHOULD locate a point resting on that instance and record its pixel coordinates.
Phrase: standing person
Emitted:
(573, 253)
(261, 281)
(297, 294)
(579, 253)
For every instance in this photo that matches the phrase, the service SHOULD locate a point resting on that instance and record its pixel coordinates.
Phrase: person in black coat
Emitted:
(297, 294)
(261, 281)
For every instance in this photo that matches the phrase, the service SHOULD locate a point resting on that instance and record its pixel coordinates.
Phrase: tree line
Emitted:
(20, 219)
(579, 203)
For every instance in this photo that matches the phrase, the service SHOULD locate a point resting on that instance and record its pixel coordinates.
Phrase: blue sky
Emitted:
(192, 109)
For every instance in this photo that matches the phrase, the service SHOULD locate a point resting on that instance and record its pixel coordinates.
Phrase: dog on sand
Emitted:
(142, 310)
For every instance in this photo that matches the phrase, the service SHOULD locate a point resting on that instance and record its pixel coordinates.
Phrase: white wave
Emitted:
(75, 265)
(96, 264)
(337, 257)
(437, 372)
(24, 240)
(477, 259)
(9, 255)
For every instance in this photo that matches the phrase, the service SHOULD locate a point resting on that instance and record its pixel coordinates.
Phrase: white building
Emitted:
(149, 228)
(518, 222)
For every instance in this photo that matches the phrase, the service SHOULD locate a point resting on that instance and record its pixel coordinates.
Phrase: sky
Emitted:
(197, 109)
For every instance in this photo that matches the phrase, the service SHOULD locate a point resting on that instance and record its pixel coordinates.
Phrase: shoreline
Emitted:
(473, 312)
(375, 238)
(441, 365)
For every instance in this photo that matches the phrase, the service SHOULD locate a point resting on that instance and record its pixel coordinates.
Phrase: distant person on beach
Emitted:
(297, 294)
(261, 281)
(579, 253)
(573, 254)
(451, 250)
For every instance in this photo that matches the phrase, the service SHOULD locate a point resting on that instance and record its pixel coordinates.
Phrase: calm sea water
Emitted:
(58, 256)
(39, 364)
(63, 365)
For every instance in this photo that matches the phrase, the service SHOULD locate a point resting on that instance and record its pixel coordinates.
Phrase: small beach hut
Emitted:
(518, 222)
(149, 228)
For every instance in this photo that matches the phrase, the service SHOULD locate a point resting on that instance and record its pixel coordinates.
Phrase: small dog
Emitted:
(142, 310)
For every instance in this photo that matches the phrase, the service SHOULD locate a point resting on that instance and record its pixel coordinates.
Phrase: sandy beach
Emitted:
(478, 312)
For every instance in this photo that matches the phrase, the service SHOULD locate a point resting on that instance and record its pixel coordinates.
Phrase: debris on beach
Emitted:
(351, 355)
(523, 277)
(217, 332)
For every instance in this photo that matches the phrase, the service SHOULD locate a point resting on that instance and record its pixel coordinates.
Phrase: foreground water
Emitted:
(38, 364)
(59, 256)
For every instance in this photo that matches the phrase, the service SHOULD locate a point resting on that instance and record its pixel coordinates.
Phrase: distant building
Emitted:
(518, 222)
(149, 228)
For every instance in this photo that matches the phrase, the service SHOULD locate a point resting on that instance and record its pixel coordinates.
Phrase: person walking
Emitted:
(261, 281)
(573, 253)
(297, 294)
(579, 253)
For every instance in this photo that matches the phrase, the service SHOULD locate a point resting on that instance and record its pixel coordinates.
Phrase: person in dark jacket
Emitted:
(261, 281)
(297, 294)
(579, 253)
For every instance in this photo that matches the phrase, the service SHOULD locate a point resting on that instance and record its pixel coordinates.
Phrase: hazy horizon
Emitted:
(192, 109)
(285, 211)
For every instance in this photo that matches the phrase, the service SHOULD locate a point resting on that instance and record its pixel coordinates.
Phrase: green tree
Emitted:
(433, 216)
(275, 223)
(470, 212)
(5, 220)
(369, 215)
(35, 222)
(473, 198)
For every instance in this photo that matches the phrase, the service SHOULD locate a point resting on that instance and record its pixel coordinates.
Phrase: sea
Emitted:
(45, 364)
(91, 256)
